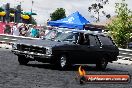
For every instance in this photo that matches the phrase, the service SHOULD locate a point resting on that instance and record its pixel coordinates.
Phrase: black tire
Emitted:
(83, 80)
(62, 63)
(22, 60)
(102, 64)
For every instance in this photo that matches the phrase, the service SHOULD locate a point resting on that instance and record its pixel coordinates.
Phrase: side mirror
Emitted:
(88, 46)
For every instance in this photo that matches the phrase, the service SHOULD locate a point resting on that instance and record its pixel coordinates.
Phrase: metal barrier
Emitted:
(125, 54)
(9, 39)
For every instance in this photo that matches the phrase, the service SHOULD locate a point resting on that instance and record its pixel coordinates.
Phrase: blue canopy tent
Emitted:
(75, 20)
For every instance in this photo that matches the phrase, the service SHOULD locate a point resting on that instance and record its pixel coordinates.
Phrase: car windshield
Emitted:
(52, 34)
(66, 36)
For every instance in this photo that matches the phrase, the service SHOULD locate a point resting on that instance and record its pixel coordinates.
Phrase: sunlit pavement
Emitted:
(40, 75)
(5, 46)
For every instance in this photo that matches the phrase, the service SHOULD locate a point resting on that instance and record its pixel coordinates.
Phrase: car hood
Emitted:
(40, 42)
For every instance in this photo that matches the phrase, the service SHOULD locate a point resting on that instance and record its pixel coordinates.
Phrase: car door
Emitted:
(75, 50)
(92, 49)
(82, 50)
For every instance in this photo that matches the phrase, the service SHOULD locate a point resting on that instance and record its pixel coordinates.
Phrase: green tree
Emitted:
(98, 9)
(121, 27)
(33, 21)
(1, 9)
(12, 10)
(58, 14)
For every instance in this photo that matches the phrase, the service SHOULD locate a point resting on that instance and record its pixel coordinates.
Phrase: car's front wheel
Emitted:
(22, 60)
(62, 62)
(101, 64)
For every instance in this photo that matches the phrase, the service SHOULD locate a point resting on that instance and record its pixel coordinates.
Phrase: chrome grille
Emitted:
(30, 48)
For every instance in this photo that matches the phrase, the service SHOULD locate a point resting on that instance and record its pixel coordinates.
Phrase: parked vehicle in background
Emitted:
(130, 45)
(66, 47)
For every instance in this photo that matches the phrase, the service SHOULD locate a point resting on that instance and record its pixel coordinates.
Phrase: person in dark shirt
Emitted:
(81, 39)
(86, 41)
(7, 29)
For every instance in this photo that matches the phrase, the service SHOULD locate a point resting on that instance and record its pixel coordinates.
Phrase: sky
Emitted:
(44, 8)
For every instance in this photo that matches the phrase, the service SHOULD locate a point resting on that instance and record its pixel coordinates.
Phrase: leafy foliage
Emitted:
(97, 7)
(12, 10)
(121, 27)
(58, 14)
(1, 9)
(33, 21)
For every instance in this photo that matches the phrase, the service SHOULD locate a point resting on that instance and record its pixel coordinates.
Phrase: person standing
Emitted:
(34, 32)
(15, 30)
(7, 29)
(23, 30)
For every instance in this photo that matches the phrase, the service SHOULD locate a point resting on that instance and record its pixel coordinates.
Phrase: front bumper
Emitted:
(27, 53)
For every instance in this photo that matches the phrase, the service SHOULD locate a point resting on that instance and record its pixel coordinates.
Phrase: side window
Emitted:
(106, 40)
(73, 37)
(94, 40)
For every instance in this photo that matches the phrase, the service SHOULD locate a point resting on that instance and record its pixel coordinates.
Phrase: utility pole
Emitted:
(32, 5)
(31, 11)
(7, 9)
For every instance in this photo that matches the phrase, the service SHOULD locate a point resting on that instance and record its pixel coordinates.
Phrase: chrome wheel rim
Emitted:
(63, 61)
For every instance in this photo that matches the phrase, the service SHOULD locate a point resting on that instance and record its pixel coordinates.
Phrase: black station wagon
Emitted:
(66, 47)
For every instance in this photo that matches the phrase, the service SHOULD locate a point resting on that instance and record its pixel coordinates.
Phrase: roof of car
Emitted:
(80, 31)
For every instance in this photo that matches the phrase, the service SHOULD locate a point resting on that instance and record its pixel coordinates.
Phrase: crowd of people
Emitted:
(22, 29)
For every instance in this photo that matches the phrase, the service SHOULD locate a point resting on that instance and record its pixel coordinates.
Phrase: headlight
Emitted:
(14, 46)
(48, 50)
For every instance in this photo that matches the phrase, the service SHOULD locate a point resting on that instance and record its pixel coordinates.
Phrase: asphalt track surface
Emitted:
(40, 75)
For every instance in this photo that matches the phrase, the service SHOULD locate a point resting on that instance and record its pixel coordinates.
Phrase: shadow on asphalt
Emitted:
(52, 67)
(72, 68)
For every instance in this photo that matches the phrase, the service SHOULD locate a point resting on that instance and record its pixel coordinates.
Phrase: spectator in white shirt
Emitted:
(15, 30)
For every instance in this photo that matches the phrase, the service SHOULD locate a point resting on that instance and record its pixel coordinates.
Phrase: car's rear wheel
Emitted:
(22, 60)
(101, 64)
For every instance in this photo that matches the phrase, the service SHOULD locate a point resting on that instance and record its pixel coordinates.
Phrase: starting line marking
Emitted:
(6, 38)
